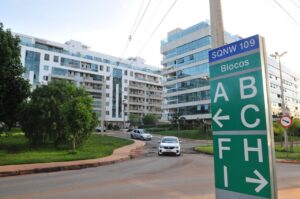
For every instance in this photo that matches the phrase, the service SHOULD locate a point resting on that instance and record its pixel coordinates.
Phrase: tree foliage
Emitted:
(278, 129)
(79, 119)
(295, 127)
(14, 88)
(59, 113)
(150, 119)
(134, 119)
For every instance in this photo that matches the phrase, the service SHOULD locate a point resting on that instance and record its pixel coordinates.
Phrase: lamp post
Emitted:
(103, 105)
(283, 107)
(123, 102)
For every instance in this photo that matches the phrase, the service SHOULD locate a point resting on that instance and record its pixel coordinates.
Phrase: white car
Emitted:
(169, 145)
(140, 134)
(98, 129)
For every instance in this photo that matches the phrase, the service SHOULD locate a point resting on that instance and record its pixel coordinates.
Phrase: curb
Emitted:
(288, 161)
(277, 160)
(119, 155)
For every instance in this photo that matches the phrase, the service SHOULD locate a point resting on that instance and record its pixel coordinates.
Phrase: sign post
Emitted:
(286, 121)
(241, 121)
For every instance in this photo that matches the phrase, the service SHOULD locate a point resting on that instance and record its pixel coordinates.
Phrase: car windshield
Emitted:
(169, 140)
(143, 131)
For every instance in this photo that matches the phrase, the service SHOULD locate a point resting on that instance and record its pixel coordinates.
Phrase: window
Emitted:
(46, 57)
(107, 69)
(46, 67)
(125, 81)
(45, 78)
(125, 97)
(107, 112)
(131, 73)
(101, 68)
(55, 58)
(125, 89)
(125, 72)
(107, 86)
(107, 103)
(107, 78)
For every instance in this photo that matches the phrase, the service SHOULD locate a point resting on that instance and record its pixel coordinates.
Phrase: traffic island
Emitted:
(120, 154)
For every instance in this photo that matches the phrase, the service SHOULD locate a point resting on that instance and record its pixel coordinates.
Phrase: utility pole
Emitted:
(103, 104)
(283, 106)
(124, 113)
(216, 23)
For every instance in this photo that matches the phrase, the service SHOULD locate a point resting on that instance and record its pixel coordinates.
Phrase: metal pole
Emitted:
(283, 108)
(103, 106)
(123, 115)
(216, 23)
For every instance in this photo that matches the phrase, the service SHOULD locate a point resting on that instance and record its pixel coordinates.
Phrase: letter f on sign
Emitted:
(223, 148)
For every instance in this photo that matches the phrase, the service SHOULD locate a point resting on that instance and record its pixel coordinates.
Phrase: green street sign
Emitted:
(241, 121)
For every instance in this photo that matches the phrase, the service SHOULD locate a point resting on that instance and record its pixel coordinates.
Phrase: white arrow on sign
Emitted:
(261, 180)
(217, 118)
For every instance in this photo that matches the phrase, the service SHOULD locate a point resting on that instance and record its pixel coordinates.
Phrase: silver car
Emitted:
(169, 145)
(140, 134)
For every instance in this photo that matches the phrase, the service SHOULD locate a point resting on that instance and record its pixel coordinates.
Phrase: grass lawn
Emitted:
(279, 151)
(191, 134)
(15, 150)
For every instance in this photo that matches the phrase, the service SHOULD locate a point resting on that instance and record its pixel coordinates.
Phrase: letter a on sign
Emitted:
(222, 94)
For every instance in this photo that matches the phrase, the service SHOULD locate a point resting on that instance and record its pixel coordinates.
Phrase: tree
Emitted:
(293, 130)
(134, 119)
(175, 119)
(278, 132)
(53, 112)
(79, 118)
(150, 119)
(14, 88)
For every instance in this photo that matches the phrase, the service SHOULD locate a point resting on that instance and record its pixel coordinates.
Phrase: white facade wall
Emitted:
(77, 51)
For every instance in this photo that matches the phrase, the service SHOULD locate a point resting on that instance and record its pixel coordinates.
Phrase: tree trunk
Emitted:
(74, 143)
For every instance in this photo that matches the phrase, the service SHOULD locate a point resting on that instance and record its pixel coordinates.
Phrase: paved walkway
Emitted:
(120, 154)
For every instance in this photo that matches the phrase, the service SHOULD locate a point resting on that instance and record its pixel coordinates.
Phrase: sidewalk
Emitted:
(120, 154)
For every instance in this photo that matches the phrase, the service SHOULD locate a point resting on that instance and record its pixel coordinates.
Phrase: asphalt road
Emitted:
(147, 176)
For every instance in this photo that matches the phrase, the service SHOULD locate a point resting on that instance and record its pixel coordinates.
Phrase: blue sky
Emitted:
(104, 25)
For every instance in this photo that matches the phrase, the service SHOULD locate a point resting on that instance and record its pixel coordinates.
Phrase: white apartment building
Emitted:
(291, 88)
(186, 75)
(119, 87)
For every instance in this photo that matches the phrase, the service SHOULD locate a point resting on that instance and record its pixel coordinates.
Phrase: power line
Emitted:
(150, 21)
(136, 18)
(131, 35)
(287, 12)
(129, 38)
(134, 28)
(295, 4)
(156, 28)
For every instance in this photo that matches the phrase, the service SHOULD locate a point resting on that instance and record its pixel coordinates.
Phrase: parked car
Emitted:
(140, 134)
(98, 129)
(169, 145)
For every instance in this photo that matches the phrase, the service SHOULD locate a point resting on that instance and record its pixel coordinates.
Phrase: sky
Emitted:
(105, 25)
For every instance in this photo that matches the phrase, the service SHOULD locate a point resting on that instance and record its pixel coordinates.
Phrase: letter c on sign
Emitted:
(245, 123)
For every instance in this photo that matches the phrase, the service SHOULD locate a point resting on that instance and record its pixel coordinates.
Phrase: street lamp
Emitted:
(283, 108)
(123, 102)
(277, 55)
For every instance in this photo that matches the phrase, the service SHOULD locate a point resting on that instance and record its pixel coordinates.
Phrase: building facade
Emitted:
(119, 87)
(186, 74)
(291, 89)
